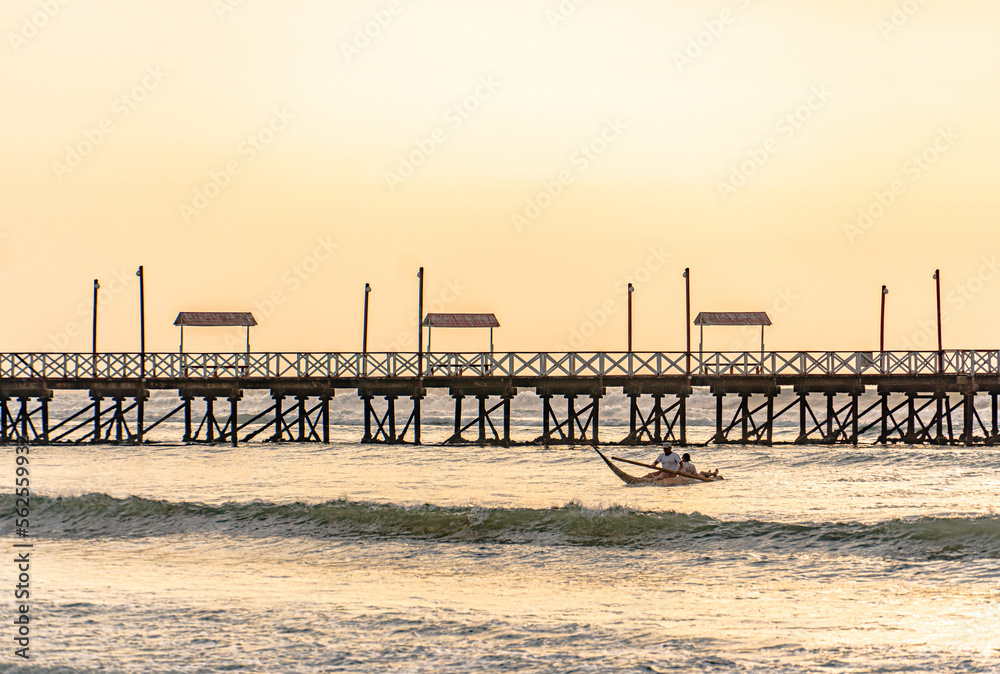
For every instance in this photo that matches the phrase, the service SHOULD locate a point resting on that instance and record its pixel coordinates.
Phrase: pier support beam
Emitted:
(839, 422)
(381, 427)
(659, 424)
(755, 421)
(305, 420)
(233, 424)
(585, 420)
(483, 390)
(126, 397)
(907, 421)
(209, 392)
(991, 435)
(968, 416)
(30, 425)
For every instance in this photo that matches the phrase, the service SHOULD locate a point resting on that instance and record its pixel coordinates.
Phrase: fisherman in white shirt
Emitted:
(667, 459)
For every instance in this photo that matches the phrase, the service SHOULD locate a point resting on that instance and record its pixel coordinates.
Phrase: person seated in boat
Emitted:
(667, 459)
(687, 466)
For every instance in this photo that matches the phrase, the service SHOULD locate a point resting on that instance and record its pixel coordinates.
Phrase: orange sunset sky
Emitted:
(534, 157)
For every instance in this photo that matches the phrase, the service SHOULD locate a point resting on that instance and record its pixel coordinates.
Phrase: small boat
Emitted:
(659, 481)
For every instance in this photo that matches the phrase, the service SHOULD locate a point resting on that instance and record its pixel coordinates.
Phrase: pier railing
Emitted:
(55, 366)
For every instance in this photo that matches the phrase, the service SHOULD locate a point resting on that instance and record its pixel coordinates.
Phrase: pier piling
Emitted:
(922, 397)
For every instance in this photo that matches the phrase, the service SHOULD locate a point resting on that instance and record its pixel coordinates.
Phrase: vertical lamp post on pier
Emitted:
(142, 324)
(364, 333)
(687, 322)
(420, 357)
(420, 322)
(687, 353)
(881, 327)
(937, 281)
(881, 332)
(364, 336)
(631, 289)
(93, 340)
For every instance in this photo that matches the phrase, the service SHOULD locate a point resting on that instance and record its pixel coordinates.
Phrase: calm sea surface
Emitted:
(344, 557)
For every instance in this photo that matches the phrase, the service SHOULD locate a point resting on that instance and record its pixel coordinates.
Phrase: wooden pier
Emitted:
(920, 397)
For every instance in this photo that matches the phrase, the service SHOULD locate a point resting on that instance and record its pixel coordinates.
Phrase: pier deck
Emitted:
(917, 394)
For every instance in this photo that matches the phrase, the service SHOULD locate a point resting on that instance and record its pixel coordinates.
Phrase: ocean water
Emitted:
(355, 558)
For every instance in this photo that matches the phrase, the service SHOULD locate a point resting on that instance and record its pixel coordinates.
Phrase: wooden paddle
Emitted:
(665, 470)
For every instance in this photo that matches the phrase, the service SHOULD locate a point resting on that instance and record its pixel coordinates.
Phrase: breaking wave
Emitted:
(100, 515)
